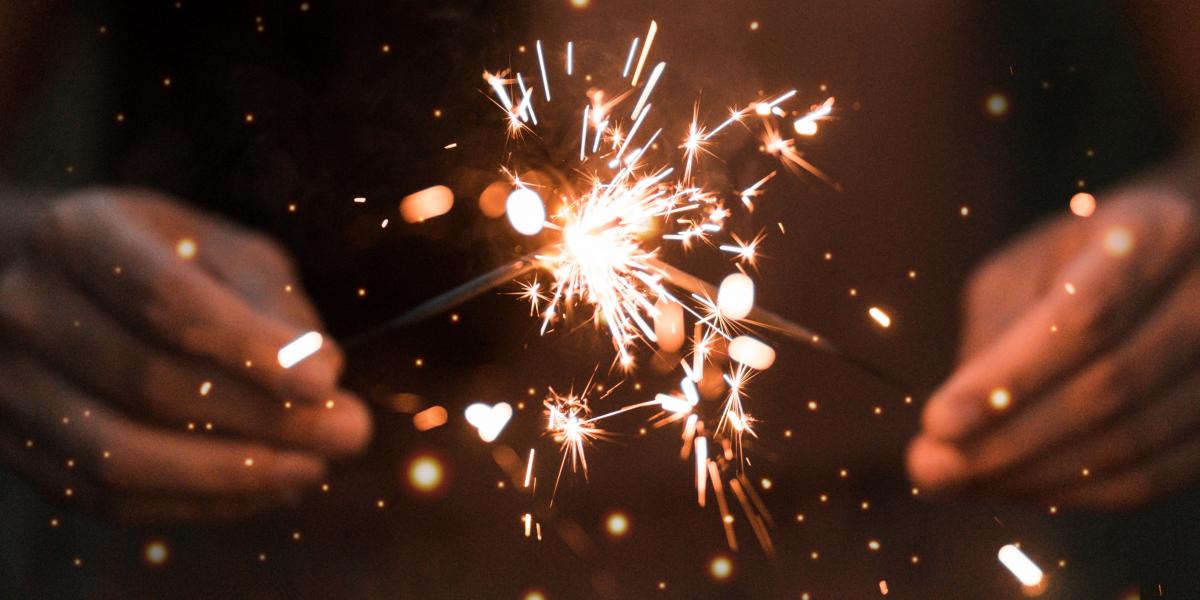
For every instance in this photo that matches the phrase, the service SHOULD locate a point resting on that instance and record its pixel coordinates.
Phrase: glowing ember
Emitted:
(300, 349)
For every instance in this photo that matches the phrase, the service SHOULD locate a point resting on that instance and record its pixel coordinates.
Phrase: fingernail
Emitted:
(948, 418)
(934, 465)
(345, 428)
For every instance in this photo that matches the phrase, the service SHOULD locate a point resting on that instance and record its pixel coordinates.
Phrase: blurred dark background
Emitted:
(278, 114)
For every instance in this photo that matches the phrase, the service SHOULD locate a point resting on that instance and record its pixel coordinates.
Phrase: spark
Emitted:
(605, 238)
(542, 66)
(300, 349)
(645, 51)
(1024, 569)
(629, 61)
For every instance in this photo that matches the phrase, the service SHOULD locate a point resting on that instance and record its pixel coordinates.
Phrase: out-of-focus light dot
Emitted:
(880, 317)
(262, 557)
(156, 553)
(915, 491)
(362, 292)
(853, 292)
(249, 117)
(437, 113)
(580, 3)
(291, 208)
(1085, 472)
(873, 545)
(454, 317)
(77, 561)
(385, 48)
(54, 522)
(1118, 242)
(727, 519)
(735, 297)
(751, 352)
(964, 210)
(299, 349)
(208, 426)
(304, 6)
(425, 473)
(499, 485)
(205, 388)
(914, 559)
(185, 248)
(799, 517)
(1083, 204)
(249, 462)
(287, 405)
(422, 205)
(720, 567)
(824, 498)
(295, 536)
(805, 127)
(526, 211)
(812, 405)
(380, 503)
(787, 433)
(166, 81)
(430, 418)
(617, 524)
(325, 487)
(843, 473)
(1069, 287)
(908, 399)
(329, 404)
(120, 117)
(1081, 183)
(1020, 565)
(1089, 153)
(69, 492)
(1053, 509)
(418, 362)
(762, 109)
(878, 410)
(754, 25)
(662, 585)
(534, 595)
(765, 483)
(912, 273)
(828, 256)
(997, 104)
(864, 505)
(814, 555)
(999, 398)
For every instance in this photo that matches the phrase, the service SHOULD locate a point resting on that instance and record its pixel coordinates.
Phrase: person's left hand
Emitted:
(1080, 380)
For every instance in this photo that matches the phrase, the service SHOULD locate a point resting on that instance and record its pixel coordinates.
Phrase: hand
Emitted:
(131, 324)
(1079, 384)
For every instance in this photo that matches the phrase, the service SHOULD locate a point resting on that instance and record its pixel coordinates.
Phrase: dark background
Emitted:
(335, 117)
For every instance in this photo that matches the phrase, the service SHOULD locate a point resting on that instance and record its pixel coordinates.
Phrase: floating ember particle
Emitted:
(300, 349)
(1024, 569)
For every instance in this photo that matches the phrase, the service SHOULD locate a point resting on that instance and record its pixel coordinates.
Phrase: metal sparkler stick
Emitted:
(677, 277)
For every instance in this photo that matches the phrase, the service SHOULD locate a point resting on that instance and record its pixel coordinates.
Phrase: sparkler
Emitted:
(605, 254)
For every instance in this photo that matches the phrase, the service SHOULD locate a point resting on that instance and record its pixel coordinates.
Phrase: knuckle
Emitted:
(269, 251)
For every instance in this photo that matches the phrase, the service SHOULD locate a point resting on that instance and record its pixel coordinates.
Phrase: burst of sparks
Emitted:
(626, 200)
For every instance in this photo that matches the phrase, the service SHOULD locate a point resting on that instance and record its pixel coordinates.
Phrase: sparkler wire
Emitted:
(682, 279)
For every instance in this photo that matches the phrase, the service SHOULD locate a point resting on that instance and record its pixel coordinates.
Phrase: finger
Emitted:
(46, 311)
(1171, 471)
(149, 510)
(146, 282)
(1007, 284)
(253, 265)
(1160, 425)
(1112, 384)
(126, 456)
(1110, 287)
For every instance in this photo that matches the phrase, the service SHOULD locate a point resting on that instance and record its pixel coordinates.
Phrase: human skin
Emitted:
(140, 378)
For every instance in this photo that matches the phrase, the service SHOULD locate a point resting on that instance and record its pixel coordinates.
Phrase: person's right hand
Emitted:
(142, 378)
